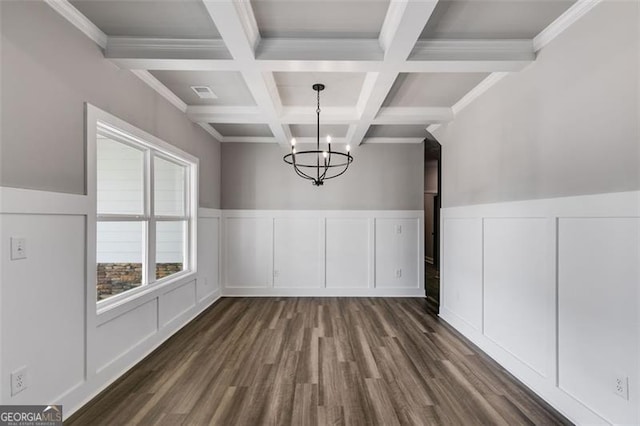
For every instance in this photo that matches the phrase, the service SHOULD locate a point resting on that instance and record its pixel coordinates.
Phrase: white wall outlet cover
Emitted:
(19, 381)
(621, 387)
(18, 248)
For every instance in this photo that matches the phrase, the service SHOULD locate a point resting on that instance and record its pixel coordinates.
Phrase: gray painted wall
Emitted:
(49, 69)
(567, 125)
(382, 177)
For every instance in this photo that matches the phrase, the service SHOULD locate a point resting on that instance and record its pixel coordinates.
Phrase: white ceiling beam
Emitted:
(249, 139)
(237, 26)
(295, 55)
(413, 115)
(311, 140)
(225, 114)
(473, 50)
(393, 140)
(165, 48)
(402, 26)
(328, 115)
(319, 50)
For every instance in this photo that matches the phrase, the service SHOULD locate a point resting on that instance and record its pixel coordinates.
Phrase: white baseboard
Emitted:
(321, 292)
(79, 396)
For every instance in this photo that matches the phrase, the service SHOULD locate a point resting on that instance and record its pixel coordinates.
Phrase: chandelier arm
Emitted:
(302, 175)
(343, 171)
(298, 171)
(327, 164)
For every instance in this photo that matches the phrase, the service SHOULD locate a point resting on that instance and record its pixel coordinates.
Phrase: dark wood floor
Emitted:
(308, 361)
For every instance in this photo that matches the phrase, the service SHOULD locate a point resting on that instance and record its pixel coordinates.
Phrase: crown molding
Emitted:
(73, 15)
(213, 132)
(564, 21)
(162, 90)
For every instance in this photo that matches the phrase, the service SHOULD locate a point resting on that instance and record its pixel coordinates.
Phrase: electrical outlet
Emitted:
(622, 387)
(19, 381)
(398, 273)
(18, 248)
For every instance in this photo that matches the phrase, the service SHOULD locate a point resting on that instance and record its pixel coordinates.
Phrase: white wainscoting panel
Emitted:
(176, 302)
(599, 280)
(556, 283)
(43, 305)
(323, 253)
(50, 322)
(249, 252)
(348, 245)
(397, 246)
(462, 269)
(208, 256)
(297, 252)
(519, 289)
(116, 337)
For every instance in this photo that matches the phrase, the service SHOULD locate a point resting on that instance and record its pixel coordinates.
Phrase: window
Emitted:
(144, 221)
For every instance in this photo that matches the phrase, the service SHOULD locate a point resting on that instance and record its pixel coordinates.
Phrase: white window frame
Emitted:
(101, 122)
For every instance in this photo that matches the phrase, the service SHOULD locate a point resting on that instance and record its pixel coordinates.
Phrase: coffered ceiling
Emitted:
(391, 68)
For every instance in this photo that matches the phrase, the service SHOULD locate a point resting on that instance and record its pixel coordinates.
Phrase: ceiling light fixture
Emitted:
(328, 164)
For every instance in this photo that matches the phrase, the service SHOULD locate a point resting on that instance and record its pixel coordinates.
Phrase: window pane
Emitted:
(119, 257)
(169, 188)
(120, 178)
(170, 247)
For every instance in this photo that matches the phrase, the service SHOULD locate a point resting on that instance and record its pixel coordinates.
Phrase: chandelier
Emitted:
(318, 165)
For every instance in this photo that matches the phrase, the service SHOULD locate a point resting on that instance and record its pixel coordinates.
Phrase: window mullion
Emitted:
(150, 243)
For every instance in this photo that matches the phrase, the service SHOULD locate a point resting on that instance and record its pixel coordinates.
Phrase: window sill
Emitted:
(107, 310)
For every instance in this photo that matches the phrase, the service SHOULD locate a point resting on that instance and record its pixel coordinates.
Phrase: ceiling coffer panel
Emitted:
(431, 89)
(493, 19)
(228, 87)
(341, 88)
(243, 130)
(154, 19)
(320, 19)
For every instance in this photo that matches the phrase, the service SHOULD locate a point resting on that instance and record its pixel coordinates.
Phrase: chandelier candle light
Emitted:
(328, 164)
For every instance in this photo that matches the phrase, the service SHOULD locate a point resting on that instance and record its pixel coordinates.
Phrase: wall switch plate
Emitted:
(398, 229)
(276, 273)
(622, 387)
(398, 273)
(19, 381)
(18, 248)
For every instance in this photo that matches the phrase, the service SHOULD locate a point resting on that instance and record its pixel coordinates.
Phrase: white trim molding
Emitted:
(397, 49)
(323, 253)
(563, 22)
(537, 266)
(162, 90)
(78, 20)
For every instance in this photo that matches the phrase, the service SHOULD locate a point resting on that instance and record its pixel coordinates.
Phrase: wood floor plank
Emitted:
(317, 361)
